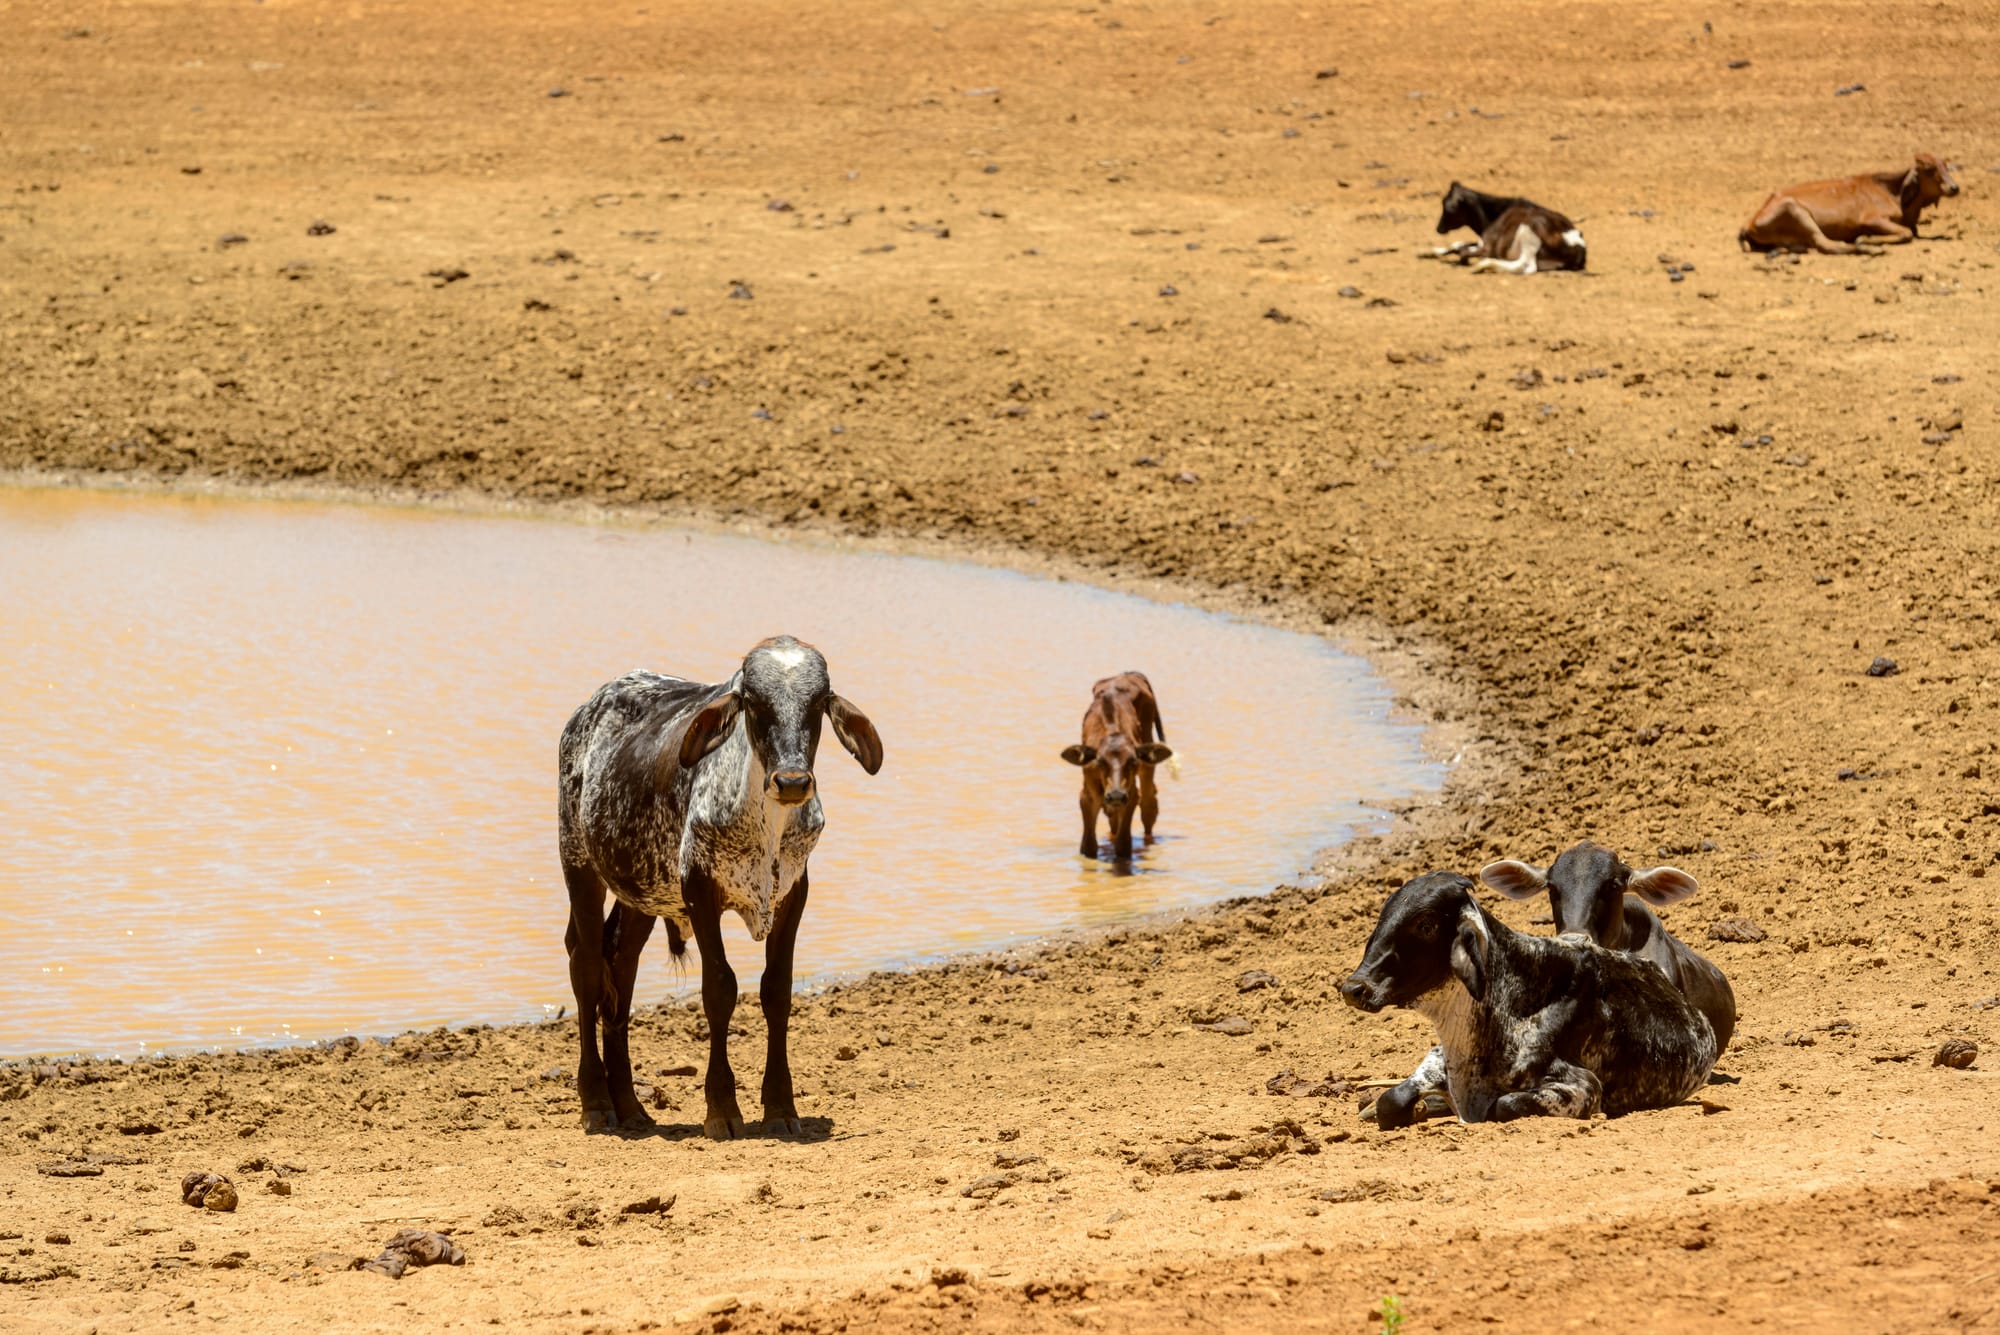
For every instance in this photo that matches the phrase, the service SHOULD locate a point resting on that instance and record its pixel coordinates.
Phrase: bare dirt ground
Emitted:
(1136, 288)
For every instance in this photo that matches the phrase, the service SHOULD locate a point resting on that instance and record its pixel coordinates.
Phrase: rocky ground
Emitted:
(1139, 290)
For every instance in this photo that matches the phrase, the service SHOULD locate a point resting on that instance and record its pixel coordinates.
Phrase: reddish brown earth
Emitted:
(1545, 505)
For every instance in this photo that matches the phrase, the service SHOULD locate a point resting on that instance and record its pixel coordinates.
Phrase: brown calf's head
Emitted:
(1114, 763)
(1931, 179)
(783, 692)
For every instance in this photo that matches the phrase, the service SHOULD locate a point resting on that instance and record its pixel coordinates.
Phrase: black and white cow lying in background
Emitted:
(1594, 893)
(1516, 235)
(1527, 1025)
(685, 800)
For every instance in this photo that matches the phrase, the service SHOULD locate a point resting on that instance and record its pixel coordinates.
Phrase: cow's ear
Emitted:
(1661, 886)
(1079, 754)
(1516, 880)
(1156, 753)
(707, 729)
(855, 732)
(1468, 954)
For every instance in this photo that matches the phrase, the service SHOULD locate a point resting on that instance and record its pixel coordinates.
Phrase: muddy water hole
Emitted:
(1136, 293)
(314, 746)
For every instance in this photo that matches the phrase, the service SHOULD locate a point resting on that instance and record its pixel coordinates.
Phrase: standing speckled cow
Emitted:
(685, 800)
(1117, 756)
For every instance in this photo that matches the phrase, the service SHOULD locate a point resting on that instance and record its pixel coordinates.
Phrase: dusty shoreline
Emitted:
(1547, 506)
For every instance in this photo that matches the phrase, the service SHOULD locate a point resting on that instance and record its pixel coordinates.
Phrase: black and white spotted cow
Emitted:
(684, 801)
(1526, 1025)
(1516, 236)
(1594, 893)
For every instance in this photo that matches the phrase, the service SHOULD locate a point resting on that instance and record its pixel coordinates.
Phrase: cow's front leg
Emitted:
(1401, 1106)
(1563, 1091)
(625, 934)
(781, 1114)
(1121, 833)
(1885, 232)
(1149, 801)
(1087, 803)
(718, 1005)
(585, 943)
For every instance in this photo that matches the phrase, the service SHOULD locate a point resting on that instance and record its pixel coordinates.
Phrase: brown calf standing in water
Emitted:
(1117, 756)
(686, 801)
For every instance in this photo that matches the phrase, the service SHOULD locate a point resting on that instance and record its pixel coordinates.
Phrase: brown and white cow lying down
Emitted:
(686, 801)
(1592, 892)
(1527, 1025)
(1516, 235)
(1830, 216)
(1117, 756)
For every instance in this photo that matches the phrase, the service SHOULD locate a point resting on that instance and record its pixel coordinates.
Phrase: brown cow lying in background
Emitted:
(1117, 757)
(1830, 216)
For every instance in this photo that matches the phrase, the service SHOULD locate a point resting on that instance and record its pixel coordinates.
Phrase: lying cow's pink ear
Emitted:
(1079, 754)
(1156, 753)
(707, 729)
(1516, 880)
(1661, 886)
(855, 732)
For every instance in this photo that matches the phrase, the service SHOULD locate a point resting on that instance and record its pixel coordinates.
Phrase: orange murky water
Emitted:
(275, 770)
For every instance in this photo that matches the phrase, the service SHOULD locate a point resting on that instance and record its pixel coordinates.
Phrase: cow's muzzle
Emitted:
(791, 786)
(1117, 797)
(1361, 994)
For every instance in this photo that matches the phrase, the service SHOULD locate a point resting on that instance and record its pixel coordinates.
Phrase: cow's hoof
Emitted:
(600, 1119)
(781, 1124)
(635, 1119)
(724, 1128)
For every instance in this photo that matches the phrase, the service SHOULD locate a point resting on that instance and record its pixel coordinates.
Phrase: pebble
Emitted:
(1250, 980)
(1736, 929)
(277, 1186)
(1957, 1053)
(210, 1191)
(651, 1205)
(1883, 667)
(320, 227)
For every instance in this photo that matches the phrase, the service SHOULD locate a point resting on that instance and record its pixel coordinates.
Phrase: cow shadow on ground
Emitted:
(812, 1131)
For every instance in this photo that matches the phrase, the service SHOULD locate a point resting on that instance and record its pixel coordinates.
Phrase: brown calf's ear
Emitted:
(855, 732)
(1516, 880)
(1468, 954)
(1661, 886)
(708, 728)
(1079, 754)
(1156, 753)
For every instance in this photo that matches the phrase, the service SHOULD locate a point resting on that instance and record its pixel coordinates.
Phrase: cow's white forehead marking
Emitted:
(1573, 237)
(789, 659)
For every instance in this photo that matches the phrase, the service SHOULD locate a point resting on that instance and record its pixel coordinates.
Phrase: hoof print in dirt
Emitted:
(1287, 1085)
(413, 1246)
(1233, 1025)
(1957, 1053)
(651, 1205)
(209, 1191)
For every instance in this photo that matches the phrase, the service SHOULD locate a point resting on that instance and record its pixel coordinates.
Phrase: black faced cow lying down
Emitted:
(1516, 236)
(1527, 1025)
(1592, 892)
(685, 800)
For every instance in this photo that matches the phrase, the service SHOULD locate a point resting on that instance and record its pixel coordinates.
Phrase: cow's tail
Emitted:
(1174, 766)
(676, 944)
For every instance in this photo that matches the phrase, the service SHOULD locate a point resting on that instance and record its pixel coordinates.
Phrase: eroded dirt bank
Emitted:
(1138, 287)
